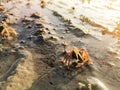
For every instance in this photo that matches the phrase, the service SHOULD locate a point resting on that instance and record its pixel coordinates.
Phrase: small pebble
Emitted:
(13, 51)
(35, 15)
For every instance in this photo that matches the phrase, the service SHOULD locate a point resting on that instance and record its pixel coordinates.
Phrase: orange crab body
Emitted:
(78, 56)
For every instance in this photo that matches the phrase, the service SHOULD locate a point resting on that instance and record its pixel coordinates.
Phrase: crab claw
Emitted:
(79, 65)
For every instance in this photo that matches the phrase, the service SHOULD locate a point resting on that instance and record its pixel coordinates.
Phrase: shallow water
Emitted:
(104, 12)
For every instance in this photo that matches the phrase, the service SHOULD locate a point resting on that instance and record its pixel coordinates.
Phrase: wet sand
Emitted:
(32, 62)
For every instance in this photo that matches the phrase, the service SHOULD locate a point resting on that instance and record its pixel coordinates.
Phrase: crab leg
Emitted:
(80, 58)
(65, 58)
(68, 60)
(85, 56)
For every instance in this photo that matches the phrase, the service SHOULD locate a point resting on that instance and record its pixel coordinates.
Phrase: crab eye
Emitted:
(74, 55)
(1, 28)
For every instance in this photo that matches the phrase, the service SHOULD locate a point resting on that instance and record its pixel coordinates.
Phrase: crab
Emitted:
(7, 33)
(80, 57)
